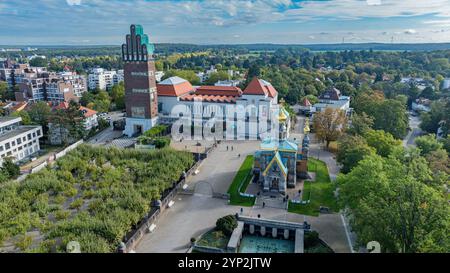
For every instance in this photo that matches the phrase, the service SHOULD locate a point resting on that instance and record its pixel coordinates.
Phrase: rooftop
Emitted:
(173, 81)
(16, 132)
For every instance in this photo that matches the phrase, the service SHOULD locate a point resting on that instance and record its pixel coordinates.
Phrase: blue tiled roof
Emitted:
(271, 144)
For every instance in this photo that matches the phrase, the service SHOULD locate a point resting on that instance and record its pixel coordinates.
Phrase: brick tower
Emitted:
(141, 98)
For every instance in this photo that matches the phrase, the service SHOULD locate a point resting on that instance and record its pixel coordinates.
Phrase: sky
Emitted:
(106, 22)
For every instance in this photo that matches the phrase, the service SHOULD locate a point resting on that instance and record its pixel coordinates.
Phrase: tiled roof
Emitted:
(86, 111)
(174, 87)
(209, 98)
(173, 81)
(306, 102)
(260, 87)
(219, 90)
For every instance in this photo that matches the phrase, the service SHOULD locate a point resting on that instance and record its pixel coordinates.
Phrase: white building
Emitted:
(332, 98)
(159, 75)
(16, 141)
(228, 83)
(446, 84)
(104, 79)
(211, 100)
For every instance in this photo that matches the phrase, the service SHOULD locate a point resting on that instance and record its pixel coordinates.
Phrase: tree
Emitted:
(351, 150)
(38, 62)
(428, 144)
(389, 203)
(218, 76)
(118, 95)
(3, 91)
(26, 120)
(188, 75)
(10, 168)
(67, 124)
(383, 142)
(40, 113)
(440, 111)
(360, 124)
(391, 117)
(439, 161)
(226, 224)
(329, 125)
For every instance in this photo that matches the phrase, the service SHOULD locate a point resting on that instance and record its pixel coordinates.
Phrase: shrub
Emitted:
(60, 199)
(226, 224)
(71, 192)
(62, 215)
(24, 242)
(76, 204)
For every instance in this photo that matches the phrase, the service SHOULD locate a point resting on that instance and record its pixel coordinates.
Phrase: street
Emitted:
(414, 123)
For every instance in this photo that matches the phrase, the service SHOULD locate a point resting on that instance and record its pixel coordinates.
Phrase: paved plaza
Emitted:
(192, 215)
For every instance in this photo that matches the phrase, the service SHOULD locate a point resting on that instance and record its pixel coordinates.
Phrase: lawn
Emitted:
(240, 182)
(320, 192)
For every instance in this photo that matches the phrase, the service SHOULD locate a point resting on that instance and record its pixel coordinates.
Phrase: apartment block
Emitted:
(104, 79)
(16, 141)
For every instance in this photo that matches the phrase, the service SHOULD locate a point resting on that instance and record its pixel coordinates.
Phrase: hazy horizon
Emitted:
(106, 22)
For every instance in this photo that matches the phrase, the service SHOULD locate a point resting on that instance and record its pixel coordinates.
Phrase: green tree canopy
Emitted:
(383, 142)
(428, 144)
(351, 150)
(388, 202)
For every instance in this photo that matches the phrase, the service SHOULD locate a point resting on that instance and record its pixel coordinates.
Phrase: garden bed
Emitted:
(93, 195)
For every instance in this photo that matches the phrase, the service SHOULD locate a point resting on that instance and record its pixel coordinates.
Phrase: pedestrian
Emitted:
(264, 204)
(239, 155)
(227, 148)
(242, 210)
(232, 148)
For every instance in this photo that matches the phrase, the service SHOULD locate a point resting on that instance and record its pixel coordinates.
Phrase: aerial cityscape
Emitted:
(229, 127)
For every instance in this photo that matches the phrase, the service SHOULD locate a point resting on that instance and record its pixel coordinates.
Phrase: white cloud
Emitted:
(410, 31)
(73, 2)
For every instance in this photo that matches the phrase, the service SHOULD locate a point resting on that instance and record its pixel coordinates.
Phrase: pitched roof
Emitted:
(173, 81)
(277, 159)
(209, 98)
(219, 90)
(260, 87)
(331, 94)
(174, 87)
(86, 111)
(306, 102)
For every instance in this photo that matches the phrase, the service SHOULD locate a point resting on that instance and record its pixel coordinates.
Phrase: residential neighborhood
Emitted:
(235, 136)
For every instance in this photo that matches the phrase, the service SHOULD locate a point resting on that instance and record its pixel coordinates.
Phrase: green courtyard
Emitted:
(240, 184)
(319, 192)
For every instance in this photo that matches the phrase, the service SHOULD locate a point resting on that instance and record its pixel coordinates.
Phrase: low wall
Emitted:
(133, 240)
(68, 149)
(39, 167)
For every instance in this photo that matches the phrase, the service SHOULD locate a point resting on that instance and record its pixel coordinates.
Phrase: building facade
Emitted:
(37, 84)
(16, 141)
(104, 79)
(259, 101)
(141, 97)
(280, 162)
(332, 98)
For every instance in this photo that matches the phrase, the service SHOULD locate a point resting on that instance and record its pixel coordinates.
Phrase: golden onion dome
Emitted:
(282, 116)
